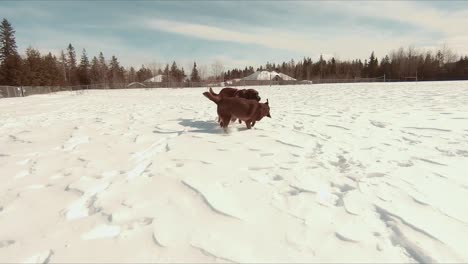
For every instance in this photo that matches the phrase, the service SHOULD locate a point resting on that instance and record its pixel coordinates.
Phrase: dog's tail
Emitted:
(216, 99)
(211, 91)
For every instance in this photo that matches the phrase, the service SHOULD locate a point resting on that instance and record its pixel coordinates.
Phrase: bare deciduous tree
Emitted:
(217, 70)
(154, 67)
(202, 71)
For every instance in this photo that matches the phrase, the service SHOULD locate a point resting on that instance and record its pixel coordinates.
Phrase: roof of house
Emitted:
(157, 78)
(267, 75)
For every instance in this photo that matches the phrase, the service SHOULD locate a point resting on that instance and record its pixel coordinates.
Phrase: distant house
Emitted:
(157, 78)
(268, 76)
(136, 85)
(229, 82)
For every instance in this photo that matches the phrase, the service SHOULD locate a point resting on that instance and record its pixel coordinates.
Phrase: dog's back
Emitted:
(233, 92)
(226, 92)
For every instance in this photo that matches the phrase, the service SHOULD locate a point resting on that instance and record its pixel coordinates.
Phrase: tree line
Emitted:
(400, 65)
(36, 69)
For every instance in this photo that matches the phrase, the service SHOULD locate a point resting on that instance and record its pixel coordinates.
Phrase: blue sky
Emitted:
(236, 33)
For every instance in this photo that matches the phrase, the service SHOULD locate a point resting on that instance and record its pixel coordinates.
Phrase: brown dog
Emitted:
(250, 94)
(246, 110)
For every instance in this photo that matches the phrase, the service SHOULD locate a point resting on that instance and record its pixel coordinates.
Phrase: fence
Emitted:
(10, 91)
(15, 91)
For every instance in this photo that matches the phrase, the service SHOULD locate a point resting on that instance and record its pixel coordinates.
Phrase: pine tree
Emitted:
(52, 71)
(194, 77)
(103, 70)
(7, 40)
(131, 75)
(143, 74)
(333, 68)
(322, 65)
(115, 74)
(63, 64)
(33, 72)
(166, 74)
(372, 66)
(72, 68)
(94, 71)
(174, 72)
(182, 75)
(10, 61)
(84, 69)
(385, 67)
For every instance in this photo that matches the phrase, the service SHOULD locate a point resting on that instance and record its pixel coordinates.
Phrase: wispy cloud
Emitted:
(239, 33)
(353, 42)
(263, 37)
(448, 24)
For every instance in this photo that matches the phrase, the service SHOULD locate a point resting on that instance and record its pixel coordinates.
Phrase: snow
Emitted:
(340, 173)
(267, 76)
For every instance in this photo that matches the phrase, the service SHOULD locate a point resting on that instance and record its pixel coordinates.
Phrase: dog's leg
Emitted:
(240, 121)
(225, 122)
(253, 123)
(247, 123)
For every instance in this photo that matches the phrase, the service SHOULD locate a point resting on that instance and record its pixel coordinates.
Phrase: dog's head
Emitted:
(265, 109)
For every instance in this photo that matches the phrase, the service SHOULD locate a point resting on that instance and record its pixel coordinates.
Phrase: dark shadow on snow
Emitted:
(210, 127)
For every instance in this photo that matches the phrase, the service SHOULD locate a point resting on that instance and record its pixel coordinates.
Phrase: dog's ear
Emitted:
(266, 102)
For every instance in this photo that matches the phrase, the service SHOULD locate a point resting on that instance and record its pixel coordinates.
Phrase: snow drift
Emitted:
(342, 173)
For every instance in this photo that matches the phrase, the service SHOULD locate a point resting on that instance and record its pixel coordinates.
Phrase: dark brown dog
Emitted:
(250, 94)
(246, 110)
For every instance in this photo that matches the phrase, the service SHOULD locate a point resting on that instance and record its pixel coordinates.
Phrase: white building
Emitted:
(268, 76)
(157, 78)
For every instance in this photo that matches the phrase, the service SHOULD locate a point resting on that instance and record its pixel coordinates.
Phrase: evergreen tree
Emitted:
(385, 67)
(103, 70)
(63, 65)
(143, 74)
(10, 61)
(333, 68)
(175, 73)
(194, 76)
(84, 70)
(7, 40)
(372, 66)
(322, 63)
(72, 68)
(32, 68)
(132, 76)
(115, 72)
(166, 74)
(52, 72)
(94, 72)
(182, 75)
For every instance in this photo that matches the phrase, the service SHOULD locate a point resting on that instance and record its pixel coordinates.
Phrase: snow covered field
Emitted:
(340, 173)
